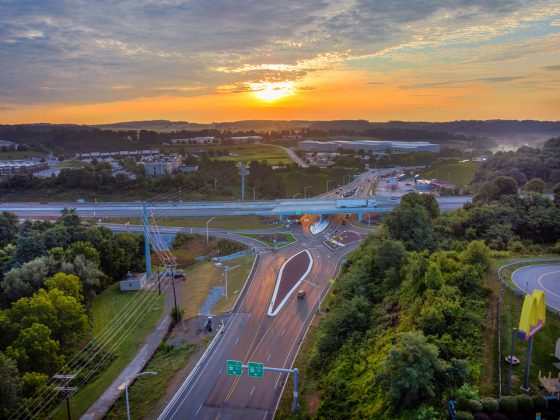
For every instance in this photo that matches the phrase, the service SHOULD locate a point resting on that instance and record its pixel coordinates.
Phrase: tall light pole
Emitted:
(305, 191)
(207, 223)
(328, 180)
(128, 378)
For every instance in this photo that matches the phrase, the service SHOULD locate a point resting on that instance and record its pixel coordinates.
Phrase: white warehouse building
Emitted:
(369, 146)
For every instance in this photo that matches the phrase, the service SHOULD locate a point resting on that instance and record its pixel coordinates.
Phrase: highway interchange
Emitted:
(249, 333)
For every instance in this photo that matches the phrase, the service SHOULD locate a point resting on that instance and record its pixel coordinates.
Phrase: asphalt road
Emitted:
(544, 277)
(251, 335)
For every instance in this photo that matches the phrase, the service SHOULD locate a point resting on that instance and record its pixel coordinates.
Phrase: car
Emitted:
(407, 184)
(393, 198)
(301, 294)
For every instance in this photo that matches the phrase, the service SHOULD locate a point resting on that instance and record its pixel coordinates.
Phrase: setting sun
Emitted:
(271, 91)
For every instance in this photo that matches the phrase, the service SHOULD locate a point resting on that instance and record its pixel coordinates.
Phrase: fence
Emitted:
(515, 289)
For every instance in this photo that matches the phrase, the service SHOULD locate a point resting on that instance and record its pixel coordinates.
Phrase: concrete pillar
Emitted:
(359, 216)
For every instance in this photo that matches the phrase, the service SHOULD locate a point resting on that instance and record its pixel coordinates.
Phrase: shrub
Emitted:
(475, 406)
(539, 403)
(524, 403)
(181, 239)
(464, 415)
(427, 412)
(177, 315)
(481, 416)
(490, 405)
(508, 404)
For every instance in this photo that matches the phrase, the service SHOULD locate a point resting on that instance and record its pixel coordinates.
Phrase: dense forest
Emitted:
(49, 274)
(403, 331)
(525, 164)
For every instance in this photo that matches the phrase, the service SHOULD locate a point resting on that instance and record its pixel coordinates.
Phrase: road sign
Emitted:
(234, 367)
(256, 370)
(298, 212)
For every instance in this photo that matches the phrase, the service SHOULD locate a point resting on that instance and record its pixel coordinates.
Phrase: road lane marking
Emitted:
(198, 409)
(236, 341)
(253, 390)
(283, 331)
(268, 358)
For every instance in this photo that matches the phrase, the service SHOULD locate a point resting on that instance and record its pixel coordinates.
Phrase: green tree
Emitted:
(8, 228)
(69, 284)
(413, 370)
(477, 253)
(506, 185)
(433, 277)
(428, 201)
(535, 185)
(412, 226)
(556, 191)
(10, 383)
(23, 281)
(35, 350)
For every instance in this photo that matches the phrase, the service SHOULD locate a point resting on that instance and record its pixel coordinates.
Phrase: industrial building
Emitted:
(117, 155)
(369, 146)
(15, 167)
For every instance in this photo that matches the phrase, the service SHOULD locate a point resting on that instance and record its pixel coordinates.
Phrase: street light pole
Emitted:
(305, 191)
(328, 180)
(207, 223)
(126, 389)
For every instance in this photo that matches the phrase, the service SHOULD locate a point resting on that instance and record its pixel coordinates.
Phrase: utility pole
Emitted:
(254, 193)
(174, 295)
(67, 390)
(242, 180)
(147, 243)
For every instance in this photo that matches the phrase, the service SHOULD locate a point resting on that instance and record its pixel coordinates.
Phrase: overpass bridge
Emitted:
(281, 208)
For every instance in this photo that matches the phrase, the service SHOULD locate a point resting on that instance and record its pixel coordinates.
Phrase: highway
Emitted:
(286, 207)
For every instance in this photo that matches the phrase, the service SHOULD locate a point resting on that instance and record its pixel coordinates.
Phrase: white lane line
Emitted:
(253, 390)
(268, 358)
(221, 370)
(236, 341)
(198, 409)
(265, 414)
(539, 281)
(283, 331)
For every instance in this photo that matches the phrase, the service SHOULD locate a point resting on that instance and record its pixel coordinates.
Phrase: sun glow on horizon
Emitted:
(271, 91)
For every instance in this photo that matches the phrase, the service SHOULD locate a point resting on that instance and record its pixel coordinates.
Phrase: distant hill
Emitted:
(153, 125)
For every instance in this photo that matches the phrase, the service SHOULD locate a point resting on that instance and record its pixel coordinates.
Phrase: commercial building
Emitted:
(15, 167)
(163, 165)
(369, 146)
(194, 140)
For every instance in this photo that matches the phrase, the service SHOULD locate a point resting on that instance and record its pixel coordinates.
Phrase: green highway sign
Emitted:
(298, 213)
(256, 370)
(234, 367)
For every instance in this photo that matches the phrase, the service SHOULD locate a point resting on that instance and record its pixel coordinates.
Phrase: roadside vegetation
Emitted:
(458, 173)
(53, 298)
(409, 326)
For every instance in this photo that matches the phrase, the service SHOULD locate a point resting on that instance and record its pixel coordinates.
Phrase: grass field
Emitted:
(282, 239)
(104, 309)
(145, 393)
(201, 277)
(543, 345)
(256, 152)
(14, 155)
(460, 173)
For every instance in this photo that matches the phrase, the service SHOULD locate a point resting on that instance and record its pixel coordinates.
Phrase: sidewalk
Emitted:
(100, 408)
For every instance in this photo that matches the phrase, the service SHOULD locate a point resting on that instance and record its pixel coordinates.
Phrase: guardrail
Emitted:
(518, 291)
(232, 256)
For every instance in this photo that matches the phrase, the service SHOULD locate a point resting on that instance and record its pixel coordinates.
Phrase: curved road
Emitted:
(544, 277)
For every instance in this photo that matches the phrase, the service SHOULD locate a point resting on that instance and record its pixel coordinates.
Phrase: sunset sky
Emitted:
(202, 61)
